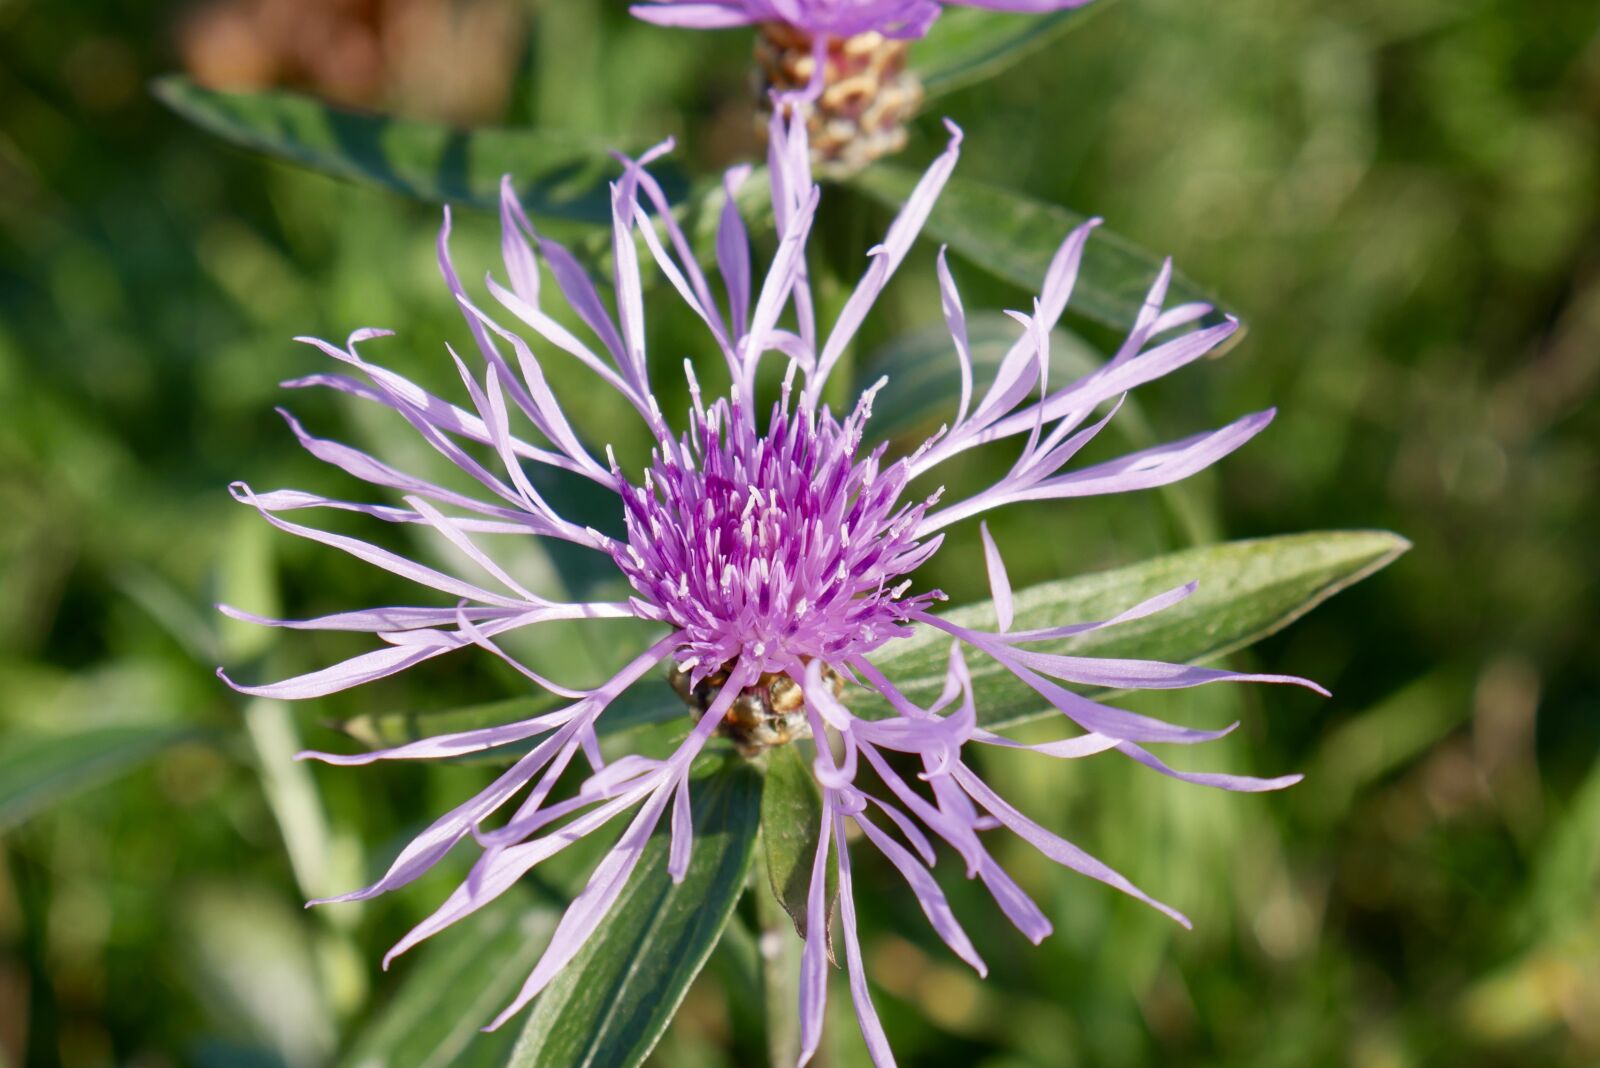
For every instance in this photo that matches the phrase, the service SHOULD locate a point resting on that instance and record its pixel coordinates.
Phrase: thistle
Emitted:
(775, 546)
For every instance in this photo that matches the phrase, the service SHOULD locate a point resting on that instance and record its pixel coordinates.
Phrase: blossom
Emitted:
(772, 548)
(836, 18)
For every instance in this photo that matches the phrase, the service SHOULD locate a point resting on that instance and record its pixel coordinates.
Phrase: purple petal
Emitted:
(1018, 907)
(1117, 674)
(589, 908)
(866, 1015)
(814, 958)
(999, 584)
(1067, 749)
(934, 904)
(497, 871)
(956, 320)
(1144, 608)
(372, 619)
(429, 847)
(1240, 783)
(515, 229)
(733, 251)
(1053, 846)
(693, 16)
(682, 832)
(445, 746)
(885, 259)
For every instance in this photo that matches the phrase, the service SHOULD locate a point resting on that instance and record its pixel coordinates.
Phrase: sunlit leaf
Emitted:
(612, 1003)
(557, 174)
(1014, 236)
(1248, 589)
(969, 44)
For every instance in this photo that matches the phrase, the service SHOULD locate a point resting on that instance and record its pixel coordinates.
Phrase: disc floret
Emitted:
(778, 548)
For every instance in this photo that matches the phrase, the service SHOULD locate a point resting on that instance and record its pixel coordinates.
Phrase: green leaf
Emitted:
(461, 980)
(557, 174)
(38, 770)
(1014, 237)
(1248, 589)
(969, 44)
(612, 1003)
(791, 816)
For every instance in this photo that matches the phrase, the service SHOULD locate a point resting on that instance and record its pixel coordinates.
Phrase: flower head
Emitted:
(777, 555)
(774, 548)
(836, 18)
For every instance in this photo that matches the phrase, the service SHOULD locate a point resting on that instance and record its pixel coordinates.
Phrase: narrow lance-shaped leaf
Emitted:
(1247, 590)
(791, 815)
(612, 1003)
(970, 44)
(435, 1018)
(1014, 236)
(559, 175)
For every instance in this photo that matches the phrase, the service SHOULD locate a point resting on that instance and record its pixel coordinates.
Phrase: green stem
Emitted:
(778, 950)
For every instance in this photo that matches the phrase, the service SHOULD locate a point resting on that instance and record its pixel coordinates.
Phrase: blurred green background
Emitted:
(1401, 197)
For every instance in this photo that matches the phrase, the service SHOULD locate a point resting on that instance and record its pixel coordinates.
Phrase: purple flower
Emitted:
(837, 18)
(764, 546)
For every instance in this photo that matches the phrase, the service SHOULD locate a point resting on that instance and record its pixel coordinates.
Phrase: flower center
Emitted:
(773, 548)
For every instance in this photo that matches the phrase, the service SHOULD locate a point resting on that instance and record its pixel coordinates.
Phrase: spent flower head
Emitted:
(841, 63)
(771, 550)
(856, 93)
